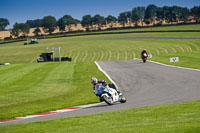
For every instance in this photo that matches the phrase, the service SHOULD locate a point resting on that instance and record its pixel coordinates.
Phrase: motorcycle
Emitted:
(108, 94)
(144, 57)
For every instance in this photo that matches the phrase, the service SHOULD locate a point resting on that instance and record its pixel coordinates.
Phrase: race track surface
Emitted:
(143, 84)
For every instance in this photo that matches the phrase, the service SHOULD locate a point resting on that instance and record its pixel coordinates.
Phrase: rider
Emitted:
(95, 83)
(144, 52)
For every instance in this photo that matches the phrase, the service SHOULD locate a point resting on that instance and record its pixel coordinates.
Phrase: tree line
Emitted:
(144, 15)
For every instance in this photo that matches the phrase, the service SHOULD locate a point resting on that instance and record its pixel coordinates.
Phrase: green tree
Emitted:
(20, 28)
(137, 14)
(195, 12)
(3, 23)
(34, 23)
(49, 24)
(122, 18)
(170, 16)
(86, 22)
(99, 20)
(69, 21)
(150, 13)
(61, 24)
(37, 31)
(134, 16)
(141, 13)
(176, 13)
(128, 15)
(160, 17)
(184, 14)
(15, 31)
(110, 20)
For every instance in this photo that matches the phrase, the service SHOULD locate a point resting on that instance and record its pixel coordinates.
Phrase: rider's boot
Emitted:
(119, 93)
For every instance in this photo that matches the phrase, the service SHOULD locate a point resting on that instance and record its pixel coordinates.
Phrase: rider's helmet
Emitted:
(94, 80)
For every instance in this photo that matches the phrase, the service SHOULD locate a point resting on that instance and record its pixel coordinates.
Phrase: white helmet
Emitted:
(94, 80)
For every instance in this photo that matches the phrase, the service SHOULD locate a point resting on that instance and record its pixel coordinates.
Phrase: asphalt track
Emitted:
(143, 84)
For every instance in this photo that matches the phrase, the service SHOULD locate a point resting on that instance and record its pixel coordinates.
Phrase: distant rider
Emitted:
(144, 52)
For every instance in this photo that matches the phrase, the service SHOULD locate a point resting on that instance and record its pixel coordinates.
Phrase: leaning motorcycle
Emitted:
(144, 57)
(108, 94)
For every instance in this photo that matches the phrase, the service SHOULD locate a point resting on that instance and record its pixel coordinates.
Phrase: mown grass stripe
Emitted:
(94, 54)
(85, 55)
(174, 50)
(22, 88)
(76, 54)
(101, 55)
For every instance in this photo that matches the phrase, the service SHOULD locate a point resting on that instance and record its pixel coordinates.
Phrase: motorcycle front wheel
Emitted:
(122, 99)
(144, 60)
(107, 99)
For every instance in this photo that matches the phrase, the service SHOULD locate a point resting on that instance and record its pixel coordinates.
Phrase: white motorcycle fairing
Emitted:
(108, 94)
(113, 93)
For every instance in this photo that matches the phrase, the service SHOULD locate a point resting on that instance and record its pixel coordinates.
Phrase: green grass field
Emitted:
(101, 47)
(27, 87)
(171, 118)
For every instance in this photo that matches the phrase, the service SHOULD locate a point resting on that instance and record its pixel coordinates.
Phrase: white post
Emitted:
(47, 49)
(59, 53)
(53, 53)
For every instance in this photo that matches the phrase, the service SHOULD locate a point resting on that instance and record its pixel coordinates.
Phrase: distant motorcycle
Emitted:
(108, 94)
(144, 57)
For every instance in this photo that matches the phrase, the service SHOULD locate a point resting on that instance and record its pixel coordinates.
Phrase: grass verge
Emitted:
(28, 89)
(173, 118)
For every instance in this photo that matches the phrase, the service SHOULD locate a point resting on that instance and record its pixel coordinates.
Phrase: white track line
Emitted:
(51, 112)
(106, 74)
(174, 66)
(170, 65)
(30, 116)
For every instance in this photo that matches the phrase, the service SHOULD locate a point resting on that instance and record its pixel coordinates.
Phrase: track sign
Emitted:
(150, 56)
(174, 59)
